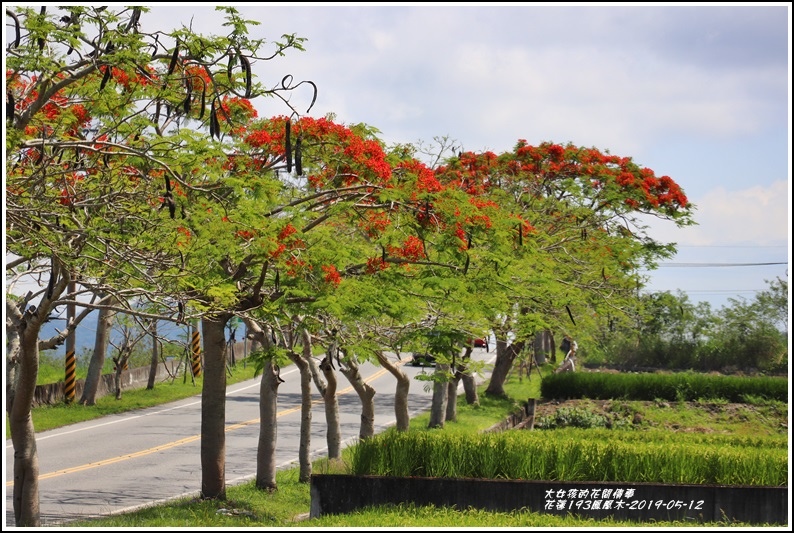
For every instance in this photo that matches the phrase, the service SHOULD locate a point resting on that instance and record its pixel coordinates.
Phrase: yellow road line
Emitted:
(179, 442)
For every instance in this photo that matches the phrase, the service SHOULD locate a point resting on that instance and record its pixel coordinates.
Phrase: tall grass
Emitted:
(571, 456)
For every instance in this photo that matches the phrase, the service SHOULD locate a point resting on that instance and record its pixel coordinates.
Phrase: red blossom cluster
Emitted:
(471, 172)
(412, 249)
(343, 156)
(460, 233)
(240, 110)
(295, 265)
(332, 276)
(183, 237)
(426, 181)
(285, 241)
(552, 161)
(375, 223)
(288, 230)
(59, 112)
(376, 264)
(68, 193)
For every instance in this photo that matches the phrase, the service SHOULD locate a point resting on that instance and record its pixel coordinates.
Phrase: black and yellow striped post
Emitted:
(69, 381)
(70, 363)
(195, 347)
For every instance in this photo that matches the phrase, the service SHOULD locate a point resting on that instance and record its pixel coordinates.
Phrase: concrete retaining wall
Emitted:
(641, 502)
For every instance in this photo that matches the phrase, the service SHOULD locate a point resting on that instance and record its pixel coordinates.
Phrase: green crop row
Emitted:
(665, 437)
(684, 386)
(563, 456)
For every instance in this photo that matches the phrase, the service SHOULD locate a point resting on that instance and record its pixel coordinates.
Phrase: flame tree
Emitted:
(577, 241)
(109, 129)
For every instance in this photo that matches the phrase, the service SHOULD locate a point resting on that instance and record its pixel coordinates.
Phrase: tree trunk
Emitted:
(438, 407)
(334, 434)
(23, 435)
(304, 448)
(327, 389)
(544, 347)
(268, 428)
(470, 389)
(401, 414)
(155, 357)
(505, 355)
(27, 323)
(104, 323)
(117, 380)
(12, 361)
(365, 393)
(452, 399)
(268, 411)
(469, 385)
(213, 409)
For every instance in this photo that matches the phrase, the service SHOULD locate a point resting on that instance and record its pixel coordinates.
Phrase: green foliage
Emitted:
(569, 456)
(672, 333)
(259, 358)
(683, 386)
(579, 417)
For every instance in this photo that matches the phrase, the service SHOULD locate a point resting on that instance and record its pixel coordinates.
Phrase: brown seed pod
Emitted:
(17, 33)
(156, 44)
(188, 95)
(203, 99)
(134, 19)
(10, 106)
(174, 56)
(230, 66)
(288, 145)
(246, 64)
(570, 315)
(215, 128)
(298, 157)
(106, 77)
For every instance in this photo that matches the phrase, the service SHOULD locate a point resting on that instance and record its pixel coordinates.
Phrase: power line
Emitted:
(719, 291)
(701, 265)
(731, 246)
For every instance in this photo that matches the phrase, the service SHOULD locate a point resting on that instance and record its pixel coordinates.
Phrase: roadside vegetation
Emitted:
(684, 430)
(686, 386)
(677, 424)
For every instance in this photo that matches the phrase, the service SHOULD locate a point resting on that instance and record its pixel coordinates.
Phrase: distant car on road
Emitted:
(423, 359)
(481, 343)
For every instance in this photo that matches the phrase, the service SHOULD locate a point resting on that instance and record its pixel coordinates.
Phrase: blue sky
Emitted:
(697, 92)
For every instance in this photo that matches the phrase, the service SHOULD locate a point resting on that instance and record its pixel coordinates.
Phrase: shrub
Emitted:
(684, 386)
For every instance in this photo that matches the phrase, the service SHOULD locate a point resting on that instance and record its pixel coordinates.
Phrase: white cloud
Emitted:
(758, 215)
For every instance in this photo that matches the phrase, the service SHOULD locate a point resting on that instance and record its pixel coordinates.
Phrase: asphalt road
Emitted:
(121, 462)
